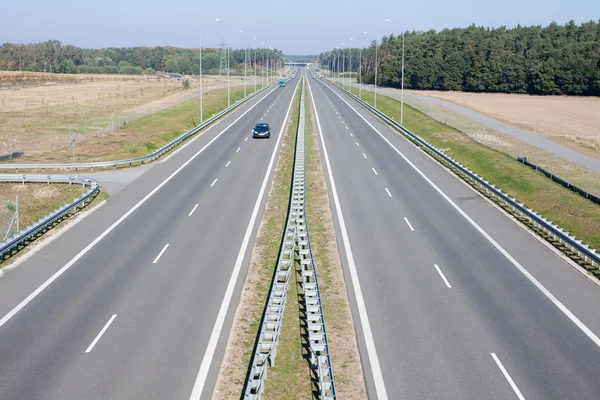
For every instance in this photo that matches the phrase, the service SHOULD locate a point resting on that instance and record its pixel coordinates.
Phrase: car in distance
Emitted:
(261, 130)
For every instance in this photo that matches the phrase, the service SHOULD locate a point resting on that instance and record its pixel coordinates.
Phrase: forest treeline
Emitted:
(555, 59)
(52, 56)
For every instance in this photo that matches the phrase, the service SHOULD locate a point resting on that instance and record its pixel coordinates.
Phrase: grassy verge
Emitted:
(143, 135)
(572, 212)
(345, 358)
(35, 201)
(246, 323)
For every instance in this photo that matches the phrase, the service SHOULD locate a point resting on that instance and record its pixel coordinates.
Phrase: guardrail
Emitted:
(147, 158)
(584, 253)
(295, 240)
(49, 220)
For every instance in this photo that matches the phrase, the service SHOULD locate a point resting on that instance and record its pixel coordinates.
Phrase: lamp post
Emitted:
(255, 64)
(402, 80)
(200, 78)
(343, 66)
(245, 63)
(360, 73)
(402, 90)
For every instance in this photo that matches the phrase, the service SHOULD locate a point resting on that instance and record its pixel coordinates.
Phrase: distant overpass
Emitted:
(295, 64)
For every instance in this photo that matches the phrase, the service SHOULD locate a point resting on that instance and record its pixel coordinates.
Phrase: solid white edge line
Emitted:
(68, 265)
(360, 301)
(160, 254)
(193, 209)
(91, 346)
(442, 275)
(507, 376)
(215, 181)
(216, 332)
(409, 225)
(505, 253)
(388, 192)
(228, 162)
(374, 171)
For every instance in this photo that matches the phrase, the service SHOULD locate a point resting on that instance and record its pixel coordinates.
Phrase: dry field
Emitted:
(575, 120)
(39, 111)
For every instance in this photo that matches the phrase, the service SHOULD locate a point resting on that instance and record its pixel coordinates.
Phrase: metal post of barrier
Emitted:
(587, 184)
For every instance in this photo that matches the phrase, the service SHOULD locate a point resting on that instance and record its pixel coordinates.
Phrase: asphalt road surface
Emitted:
(147, 285)
(451, 299)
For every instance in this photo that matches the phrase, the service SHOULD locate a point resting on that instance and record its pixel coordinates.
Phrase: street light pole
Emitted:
(375, 101)
(255, 64)
(402, 91)
(350, 67)
(200, 78)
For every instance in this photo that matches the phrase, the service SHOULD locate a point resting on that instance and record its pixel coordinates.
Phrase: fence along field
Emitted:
(41, 113)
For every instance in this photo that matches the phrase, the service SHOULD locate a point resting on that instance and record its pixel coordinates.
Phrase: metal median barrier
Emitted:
(296, 242)
(581, 252)
(147, 158)
(46, 222)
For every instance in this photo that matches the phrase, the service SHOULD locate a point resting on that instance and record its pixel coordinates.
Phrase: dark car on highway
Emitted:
(261, 130)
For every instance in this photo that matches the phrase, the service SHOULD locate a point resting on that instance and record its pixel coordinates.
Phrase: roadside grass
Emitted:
(35, 201)
(290, 376)
(569, 210)
(246, 324)
(345, 357)
(143, 135)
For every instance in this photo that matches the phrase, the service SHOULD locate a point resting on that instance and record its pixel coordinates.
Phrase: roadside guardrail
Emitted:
(296, 240)
(581, 252)
(46, 222)
(143, 159)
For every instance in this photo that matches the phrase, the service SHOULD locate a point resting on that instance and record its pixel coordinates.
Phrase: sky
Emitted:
(296, 28)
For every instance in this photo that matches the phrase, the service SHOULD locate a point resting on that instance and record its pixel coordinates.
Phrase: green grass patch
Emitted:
(290, 377)
(569, 210)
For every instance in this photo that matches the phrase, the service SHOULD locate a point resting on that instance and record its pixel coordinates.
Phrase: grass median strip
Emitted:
(569, 210)
(345, 358)
(247, 319)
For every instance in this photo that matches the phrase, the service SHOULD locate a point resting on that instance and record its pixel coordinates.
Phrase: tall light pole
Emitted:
(402, 90)
(375, 101)
(245, 63)
(343, 66)
(254, 64)
(350, 67)
(360, 73)
(263, 63)
(200, 78)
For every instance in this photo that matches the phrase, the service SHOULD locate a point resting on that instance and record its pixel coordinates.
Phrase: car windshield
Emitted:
(260, 128)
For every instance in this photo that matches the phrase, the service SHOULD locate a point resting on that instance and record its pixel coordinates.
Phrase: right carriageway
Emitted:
(451, 298)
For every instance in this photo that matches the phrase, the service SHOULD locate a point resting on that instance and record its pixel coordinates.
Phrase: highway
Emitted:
(451, 298)
(135, 301)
